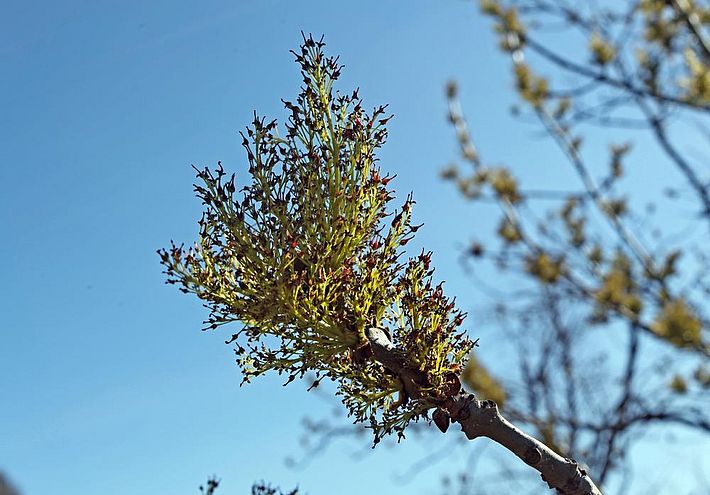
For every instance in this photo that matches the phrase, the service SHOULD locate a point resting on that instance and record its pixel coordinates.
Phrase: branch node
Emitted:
(533, 456)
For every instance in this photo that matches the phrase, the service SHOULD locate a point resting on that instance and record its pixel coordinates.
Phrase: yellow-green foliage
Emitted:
(661, 24)
(614, 207)
(595, 255)
(504, 184)
(678, 323)
(306, 256)
(544, 268)
(491, 7)
(618, 152)
(532, 88)
(508, 24)
(698, 80)
(602, 51)
(564, 105)
(678, 384)
(509, 232)
(574, 223)
(702, 376)
(618, 290)
(482, 383)
(649, 69)
(666, 26)
(424, 322)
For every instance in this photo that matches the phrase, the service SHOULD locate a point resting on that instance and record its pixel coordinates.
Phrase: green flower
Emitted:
(306, 256)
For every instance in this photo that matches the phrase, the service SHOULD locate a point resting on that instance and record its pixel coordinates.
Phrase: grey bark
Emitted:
(483, 419)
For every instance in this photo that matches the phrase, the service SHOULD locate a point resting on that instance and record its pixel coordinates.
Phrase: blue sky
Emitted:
(107, 384)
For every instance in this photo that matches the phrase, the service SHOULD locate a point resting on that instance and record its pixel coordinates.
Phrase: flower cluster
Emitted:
(307, 257)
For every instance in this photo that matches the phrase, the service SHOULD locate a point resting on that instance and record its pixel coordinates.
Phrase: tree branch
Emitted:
(482, 419)
(602, 77)
(694, 25)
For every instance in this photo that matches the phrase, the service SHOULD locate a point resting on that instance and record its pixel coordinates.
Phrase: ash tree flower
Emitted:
(306, 258)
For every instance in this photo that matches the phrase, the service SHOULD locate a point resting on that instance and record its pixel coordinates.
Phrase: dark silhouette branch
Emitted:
(622, 406)
(701, 189)
(694, 26)
(602, 77)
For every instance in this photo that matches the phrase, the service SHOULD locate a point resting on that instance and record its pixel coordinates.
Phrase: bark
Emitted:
(483, 419)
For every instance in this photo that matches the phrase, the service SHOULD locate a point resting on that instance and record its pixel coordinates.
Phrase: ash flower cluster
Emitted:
(306, 257)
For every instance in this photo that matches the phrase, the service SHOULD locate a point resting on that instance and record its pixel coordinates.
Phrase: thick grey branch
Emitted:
(482, 419)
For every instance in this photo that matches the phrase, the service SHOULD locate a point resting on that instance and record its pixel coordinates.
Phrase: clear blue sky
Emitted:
(107, 385)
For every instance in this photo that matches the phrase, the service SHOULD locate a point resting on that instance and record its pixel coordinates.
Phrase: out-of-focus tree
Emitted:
(608, 312)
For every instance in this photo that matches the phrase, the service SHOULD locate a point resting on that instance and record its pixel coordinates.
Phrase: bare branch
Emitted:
(602, 77)
(482, 419)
